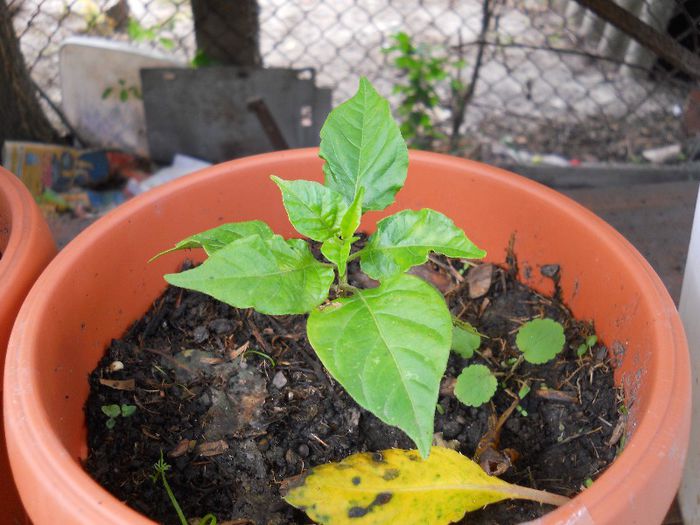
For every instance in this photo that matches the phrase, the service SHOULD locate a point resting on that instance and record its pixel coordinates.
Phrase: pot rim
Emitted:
(30, 423)
(22, 213)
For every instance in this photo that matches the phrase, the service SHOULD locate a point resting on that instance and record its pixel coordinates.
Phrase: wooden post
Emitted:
(228, 31)
(21, 116)
(659, 43)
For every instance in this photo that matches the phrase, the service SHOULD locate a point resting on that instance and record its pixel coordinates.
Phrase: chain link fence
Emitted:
(543, 80)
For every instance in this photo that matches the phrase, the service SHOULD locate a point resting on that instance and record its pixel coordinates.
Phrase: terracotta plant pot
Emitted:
(27, 247)
(100, 284)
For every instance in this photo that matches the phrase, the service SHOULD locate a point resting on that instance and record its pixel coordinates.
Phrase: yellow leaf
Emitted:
(397, 486)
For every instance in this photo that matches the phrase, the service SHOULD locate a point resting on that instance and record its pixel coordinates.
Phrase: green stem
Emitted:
(209, 519)
(355, 255)
(173, 500)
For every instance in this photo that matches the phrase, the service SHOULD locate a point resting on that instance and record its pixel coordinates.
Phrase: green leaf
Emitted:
(363, 147)
(475, 385)
(110, 410)
(110, 423)
(351, 220)
(540, 340)
(216, 238)
(274, 276)
(581, 350)
(128, 410)
(406, 238)
(337, 251)
(465, 339)
(107, 92)
(388, 346)
(314, 210)
(591, 340)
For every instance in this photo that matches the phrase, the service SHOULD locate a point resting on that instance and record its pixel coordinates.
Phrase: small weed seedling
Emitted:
(114, 411)
(539, 340)
(587, 345)
(161, 467)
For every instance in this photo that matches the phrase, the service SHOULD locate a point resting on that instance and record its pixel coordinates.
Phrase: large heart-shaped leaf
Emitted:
(406, 238)
(388, 346)
(362, 147)
(272, 275)
(313, 209)
(395, 486)
(216, 238)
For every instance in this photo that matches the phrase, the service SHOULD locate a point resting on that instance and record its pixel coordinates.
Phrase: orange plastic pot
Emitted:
(27, 247)
(100, 283)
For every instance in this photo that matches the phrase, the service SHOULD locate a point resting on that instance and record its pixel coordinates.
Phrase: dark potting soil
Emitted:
(237, 402)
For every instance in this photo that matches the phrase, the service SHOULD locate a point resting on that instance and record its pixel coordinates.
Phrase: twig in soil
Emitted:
(555, 395)
(316, 438)
(577, 436)
(447, 267)
(257, 335)
(488, 455)
(515, 366)
(168, 357)
(316, 367)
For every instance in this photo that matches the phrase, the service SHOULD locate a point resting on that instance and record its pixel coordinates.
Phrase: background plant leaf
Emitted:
(540, 340)
(465, 339)
(274, 276)
(362, 146)
(388, 346)
(406, 238)
(314, 210)
(216, 238)
(475, 385)
(396, 486)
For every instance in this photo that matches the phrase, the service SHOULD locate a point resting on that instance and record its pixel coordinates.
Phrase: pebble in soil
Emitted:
(237, 402)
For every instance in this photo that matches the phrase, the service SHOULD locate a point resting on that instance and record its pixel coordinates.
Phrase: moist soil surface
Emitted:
(237, 402)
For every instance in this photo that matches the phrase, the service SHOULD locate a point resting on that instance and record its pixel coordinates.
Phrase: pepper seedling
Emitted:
(387, 346)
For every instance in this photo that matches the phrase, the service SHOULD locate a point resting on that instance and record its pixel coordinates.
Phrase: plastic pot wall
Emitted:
(27, 247)
(100, 283)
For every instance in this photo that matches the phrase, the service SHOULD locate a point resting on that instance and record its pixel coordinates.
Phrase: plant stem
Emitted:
(541, 496)
(173, 500)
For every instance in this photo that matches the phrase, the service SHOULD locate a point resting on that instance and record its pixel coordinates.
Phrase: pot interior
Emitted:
(102, 282)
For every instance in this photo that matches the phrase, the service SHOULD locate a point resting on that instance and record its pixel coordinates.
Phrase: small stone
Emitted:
(221, 326)
(115, 366)
(290, 457)
(200, 334)
(279, 380)
(451, 430)
(513, 424)
(601, 353)
(303, 450)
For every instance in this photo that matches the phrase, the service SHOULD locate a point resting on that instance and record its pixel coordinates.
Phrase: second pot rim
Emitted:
(30, 423)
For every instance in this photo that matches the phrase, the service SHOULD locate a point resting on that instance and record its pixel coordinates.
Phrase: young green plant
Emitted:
(161, 467)
(538, 340)
(387, 346)
(114, 411)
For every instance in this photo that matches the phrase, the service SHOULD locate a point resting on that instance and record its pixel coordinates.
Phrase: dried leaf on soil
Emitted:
(119, 384)
(479, 279)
